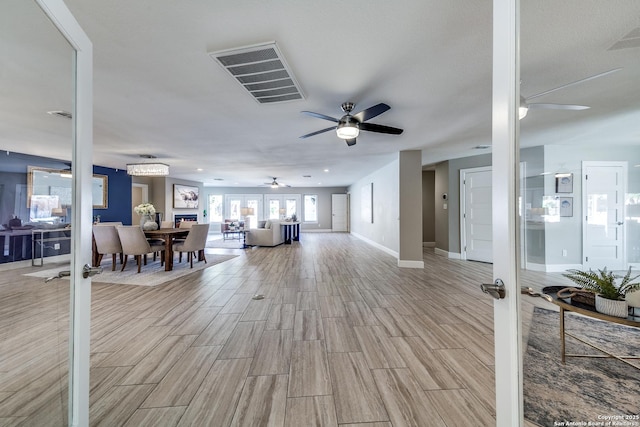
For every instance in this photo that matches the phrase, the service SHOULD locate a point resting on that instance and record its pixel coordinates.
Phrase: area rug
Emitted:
(583, 390)
(152, 274)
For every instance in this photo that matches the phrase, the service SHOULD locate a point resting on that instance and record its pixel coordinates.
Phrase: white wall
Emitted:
(384, 231)
(323, 193)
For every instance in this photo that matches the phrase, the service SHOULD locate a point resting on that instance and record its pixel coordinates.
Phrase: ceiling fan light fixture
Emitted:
(348, 129)
(524, 109)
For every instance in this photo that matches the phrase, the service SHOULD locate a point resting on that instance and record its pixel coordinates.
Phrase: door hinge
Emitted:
(586, 177)
(586, 259)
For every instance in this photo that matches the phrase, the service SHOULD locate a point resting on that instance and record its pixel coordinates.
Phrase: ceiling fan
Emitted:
(525, 105)
(349, 126)
(275, 184)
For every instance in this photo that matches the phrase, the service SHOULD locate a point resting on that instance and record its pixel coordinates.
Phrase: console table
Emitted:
(550, 293)
(291, 231)
(42, 236)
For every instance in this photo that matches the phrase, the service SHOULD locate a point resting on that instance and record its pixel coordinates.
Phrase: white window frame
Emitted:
(304, 216)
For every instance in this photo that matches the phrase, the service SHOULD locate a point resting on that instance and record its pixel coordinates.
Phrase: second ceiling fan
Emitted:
(348, 127)
(525, 105)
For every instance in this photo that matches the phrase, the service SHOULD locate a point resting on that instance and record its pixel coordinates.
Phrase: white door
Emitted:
(339, 212)
(505, 135)
(81, 206)
(476, 214)
(603, 191)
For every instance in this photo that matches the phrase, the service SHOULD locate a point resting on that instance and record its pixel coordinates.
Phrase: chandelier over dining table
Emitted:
(148, 168)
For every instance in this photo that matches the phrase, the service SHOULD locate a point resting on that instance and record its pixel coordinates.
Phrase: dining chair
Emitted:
(187, 224)
(196, 241)
(135, 243)
(107, 242)
(166, 224)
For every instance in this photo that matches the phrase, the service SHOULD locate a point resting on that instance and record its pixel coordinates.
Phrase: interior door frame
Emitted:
(505, 163)
(463, 206)
(82, 207)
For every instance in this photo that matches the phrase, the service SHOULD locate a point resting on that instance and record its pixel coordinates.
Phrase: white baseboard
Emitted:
(376, 245)
(552, 268)
(410, 264)
(429, 244)
(316, 230)
(451, 255)
(532, 266)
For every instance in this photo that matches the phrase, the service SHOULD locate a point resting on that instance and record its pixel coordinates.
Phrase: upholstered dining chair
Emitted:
(187, 224)
(196, 241)
(107, 242)
(135, 243)
(166, 224)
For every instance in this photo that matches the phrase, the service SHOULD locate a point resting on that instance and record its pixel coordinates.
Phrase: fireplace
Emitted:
(184, 217)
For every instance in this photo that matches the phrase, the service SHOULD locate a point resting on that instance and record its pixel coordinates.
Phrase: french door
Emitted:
(581, 203)
(81, 153)
(505, 163)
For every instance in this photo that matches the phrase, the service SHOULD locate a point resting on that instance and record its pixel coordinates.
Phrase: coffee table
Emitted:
(550, 293)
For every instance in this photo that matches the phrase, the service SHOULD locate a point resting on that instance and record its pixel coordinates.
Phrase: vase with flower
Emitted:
(146, 212)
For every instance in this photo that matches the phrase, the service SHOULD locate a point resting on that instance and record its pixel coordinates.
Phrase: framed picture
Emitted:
(185, 196)
(566, 206)
(564, 183)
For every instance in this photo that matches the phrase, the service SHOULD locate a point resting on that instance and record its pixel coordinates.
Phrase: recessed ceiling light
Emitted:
(199, 169)
(218, 179)
(481, 147)
(326, 170)
(306, 176)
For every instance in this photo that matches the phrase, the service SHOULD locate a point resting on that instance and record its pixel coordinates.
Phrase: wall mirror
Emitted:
(51, 189)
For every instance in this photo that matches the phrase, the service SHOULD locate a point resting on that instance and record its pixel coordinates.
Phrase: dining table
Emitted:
(169, 235)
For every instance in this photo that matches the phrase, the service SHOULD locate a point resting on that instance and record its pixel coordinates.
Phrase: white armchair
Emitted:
(270, 235)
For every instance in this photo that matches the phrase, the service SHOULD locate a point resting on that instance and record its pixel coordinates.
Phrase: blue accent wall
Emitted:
(119, 196)
(13, 182)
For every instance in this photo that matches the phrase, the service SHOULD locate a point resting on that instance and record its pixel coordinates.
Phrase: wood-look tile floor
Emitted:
(342, 337)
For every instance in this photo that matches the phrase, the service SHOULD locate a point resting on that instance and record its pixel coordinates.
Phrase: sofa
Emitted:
(270, 234)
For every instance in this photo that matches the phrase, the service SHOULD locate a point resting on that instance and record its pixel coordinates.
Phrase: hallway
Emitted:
(342, 337)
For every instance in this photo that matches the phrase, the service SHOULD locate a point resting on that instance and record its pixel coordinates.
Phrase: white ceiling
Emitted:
(158, 92)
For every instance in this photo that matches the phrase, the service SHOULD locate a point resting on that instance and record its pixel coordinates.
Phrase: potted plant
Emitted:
(609, 295)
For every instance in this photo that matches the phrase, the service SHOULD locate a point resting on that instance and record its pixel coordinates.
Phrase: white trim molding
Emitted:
(451, 255)
(376, 245)
(410, 264)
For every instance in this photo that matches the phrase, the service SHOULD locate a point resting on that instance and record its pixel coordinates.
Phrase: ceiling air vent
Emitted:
(262, 71)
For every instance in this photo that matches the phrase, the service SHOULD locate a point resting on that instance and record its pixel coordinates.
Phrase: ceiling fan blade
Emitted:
(556, 107)
(380, 129)
(586, 79)
(371, 112)
(320, 116)
(319, 131)
(350, 142)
